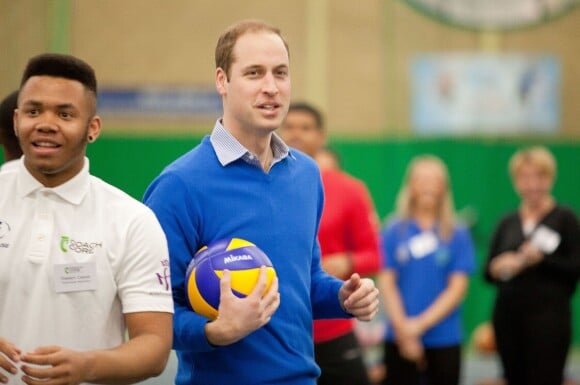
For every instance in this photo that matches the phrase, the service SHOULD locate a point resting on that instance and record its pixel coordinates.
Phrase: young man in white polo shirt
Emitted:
(81, 261)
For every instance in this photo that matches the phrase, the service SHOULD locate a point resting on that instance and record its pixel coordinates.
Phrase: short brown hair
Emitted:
(224, 49)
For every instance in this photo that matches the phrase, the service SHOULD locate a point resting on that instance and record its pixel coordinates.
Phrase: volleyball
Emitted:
(202, 280)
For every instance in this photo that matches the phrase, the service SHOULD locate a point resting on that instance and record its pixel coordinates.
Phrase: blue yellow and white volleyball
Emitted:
(242, 258)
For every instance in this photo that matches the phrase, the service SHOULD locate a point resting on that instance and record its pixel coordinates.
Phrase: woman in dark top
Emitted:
(534, 260)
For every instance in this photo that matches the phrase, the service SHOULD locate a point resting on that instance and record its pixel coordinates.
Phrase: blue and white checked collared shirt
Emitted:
(228, 149)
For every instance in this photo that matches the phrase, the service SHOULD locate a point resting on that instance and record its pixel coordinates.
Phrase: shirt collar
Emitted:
(72, 191)
(11, 165)
(228, 149)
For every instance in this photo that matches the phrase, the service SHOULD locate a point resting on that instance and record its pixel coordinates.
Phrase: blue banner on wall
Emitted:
(159, 103)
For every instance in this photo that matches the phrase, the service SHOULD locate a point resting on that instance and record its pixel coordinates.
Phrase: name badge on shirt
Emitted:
(70, 277)
(423, 244)
(545, 239)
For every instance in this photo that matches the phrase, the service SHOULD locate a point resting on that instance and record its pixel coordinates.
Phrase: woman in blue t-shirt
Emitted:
(428, 259)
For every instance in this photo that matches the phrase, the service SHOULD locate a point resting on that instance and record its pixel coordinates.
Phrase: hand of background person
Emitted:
(338, 265)
(359, 297)
(506, 265)
(532, 254)
(411, 349)
(55, 364)
(412, 328)
(9, 357)
(238, 317)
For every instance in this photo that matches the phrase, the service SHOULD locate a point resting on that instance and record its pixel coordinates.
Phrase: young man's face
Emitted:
(300, 130)
(257, 93)
(53, 122)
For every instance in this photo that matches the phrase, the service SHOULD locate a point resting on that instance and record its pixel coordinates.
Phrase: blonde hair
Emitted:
(446, 213)
(537, 156)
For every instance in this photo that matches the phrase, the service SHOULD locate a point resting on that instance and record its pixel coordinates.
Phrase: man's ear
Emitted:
(94, 129)
(221, 81)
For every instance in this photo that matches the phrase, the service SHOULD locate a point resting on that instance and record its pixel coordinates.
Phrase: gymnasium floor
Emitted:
(476, 368)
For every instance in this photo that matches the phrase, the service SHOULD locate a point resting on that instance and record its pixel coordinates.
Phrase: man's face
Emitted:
(53, 121)
(257, 93)
(299, 130)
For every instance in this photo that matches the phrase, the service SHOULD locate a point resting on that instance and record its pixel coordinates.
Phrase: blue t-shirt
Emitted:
(423, 263)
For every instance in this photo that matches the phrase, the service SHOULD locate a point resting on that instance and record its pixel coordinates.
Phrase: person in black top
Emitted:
(534, 259)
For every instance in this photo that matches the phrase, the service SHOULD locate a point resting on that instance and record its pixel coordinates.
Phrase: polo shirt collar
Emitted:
(228, 149)
(72, 191)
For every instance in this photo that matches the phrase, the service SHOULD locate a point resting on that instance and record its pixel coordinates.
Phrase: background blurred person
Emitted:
(327, 159)
(429, 257)
(348, 237)
(10, 146)
(534, 259)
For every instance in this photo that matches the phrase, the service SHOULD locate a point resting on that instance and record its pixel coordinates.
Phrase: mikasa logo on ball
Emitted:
(234, 258)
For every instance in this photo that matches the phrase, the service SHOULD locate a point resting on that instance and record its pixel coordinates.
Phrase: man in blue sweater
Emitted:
(243, 181)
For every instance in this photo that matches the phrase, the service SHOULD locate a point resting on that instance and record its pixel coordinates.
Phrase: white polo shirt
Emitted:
(74, 259)
(11, 165)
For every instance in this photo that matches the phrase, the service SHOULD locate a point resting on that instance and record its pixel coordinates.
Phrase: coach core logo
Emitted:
(63, 243)
(82, 247)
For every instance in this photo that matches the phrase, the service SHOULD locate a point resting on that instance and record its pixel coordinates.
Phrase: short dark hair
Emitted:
(309, 109)
(8, 138)
(61, 66)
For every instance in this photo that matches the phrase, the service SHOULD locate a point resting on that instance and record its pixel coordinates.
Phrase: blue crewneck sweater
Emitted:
(197, 201)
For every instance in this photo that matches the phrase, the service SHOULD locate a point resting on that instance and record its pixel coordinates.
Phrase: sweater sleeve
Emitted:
(364, 233)
(171, 202)
(324, 291)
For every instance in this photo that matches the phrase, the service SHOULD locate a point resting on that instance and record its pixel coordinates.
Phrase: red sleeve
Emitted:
(364, 232)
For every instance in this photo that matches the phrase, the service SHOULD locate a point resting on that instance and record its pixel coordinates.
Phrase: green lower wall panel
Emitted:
(478, 169)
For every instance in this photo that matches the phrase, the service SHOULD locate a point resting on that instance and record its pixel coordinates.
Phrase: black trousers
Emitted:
(442, 368)
(533, 344)
(341, 362)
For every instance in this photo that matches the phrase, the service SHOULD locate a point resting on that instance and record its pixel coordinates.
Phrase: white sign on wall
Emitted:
(481, 93)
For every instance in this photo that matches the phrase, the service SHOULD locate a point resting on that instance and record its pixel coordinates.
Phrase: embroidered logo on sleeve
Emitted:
(164, 277)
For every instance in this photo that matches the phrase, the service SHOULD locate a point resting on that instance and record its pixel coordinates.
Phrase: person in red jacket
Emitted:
(349, 241)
